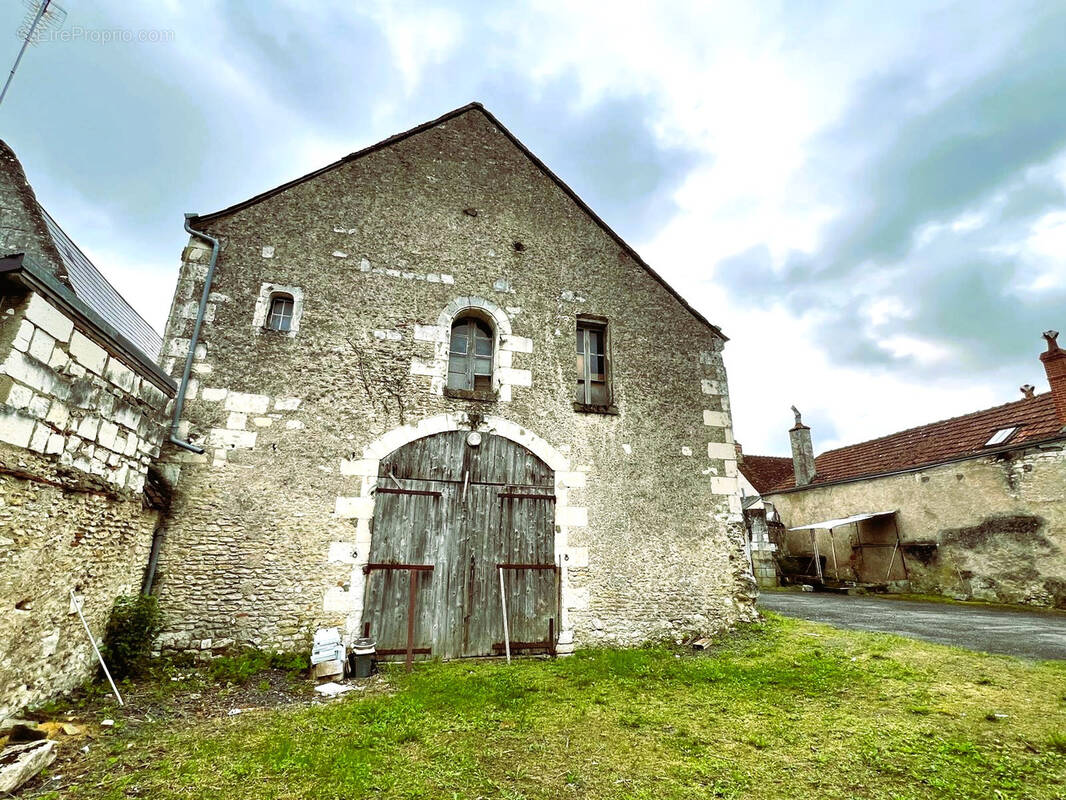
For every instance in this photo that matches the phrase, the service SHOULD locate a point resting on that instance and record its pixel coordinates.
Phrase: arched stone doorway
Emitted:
(457, 505)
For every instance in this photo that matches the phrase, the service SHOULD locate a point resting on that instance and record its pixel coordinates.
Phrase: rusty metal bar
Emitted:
(402, 651)
(523, 496)
(551, 635)
(378, 565)
(526, 566)
(394, 490)
(499, 647)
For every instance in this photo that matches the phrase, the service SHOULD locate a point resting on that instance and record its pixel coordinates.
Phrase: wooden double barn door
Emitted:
(462, 509)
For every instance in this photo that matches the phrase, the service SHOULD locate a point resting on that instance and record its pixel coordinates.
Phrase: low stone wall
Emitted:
(762, 547)
(57, 534)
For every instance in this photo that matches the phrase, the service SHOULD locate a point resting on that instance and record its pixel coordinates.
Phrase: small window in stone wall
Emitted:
(593, 369)
(280, 316)
(278, 308)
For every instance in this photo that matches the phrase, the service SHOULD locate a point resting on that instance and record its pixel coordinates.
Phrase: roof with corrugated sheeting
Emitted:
(95, 291)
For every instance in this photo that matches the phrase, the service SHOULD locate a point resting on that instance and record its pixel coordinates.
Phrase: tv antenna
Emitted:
(41, 15)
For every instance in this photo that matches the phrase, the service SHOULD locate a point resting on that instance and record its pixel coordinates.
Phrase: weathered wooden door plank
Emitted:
(464, 510)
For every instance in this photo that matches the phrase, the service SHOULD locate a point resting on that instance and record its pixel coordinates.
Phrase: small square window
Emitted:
(1001, 436)
(280, 316)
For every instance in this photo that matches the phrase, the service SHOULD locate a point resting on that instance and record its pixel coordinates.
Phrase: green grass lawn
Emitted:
(785, 709)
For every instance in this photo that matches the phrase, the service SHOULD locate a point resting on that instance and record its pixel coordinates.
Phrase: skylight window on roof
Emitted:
(1001, 436)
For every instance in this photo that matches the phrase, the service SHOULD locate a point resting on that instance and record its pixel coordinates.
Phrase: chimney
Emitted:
(803, 450)
(1028, 391)
(1054, 359)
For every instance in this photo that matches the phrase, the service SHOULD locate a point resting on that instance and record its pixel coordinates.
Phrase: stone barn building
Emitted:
(422, 363)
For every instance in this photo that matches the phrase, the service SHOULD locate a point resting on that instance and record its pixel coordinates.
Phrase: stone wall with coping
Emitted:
(272, 522)
(78, 430)
(63, 394)
(998, 525)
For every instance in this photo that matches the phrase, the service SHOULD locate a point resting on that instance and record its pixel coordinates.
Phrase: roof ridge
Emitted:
(936, 422)
(559, 182)
(355, 154)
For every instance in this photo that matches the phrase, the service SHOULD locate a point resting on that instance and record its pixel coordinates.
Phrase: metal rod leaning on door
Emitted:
(412, 580)
(503, 603)
(503, 598)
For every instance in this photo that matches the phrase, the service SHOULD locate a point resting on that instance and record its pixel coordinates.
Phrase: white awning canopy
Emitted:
(836, 523)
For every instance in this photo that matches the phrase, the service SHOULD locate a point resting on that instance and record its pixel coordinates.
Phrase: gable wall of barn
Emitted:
(271, 522)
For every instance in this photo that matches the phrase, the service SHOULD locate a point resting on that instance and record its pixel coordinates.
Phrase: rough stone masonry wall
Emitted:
(762, 547)
(271, 524)
(56, 535)
(77, 431)
(999, 523)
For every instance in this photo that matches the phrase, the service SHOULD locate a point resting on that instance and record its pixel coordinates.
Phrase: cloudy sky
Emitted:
(870, 199)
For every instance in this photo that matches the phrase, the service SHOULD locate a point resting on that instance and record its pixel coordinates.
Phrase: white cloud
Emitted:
(751, 87)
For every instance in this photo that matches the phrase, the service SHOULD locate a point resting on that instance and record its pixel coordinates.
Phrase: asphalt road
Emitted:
(1028, 634)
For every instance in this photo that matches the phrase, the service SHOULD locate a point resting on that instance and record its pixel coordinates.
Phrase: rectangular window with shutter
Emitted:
(593, 367)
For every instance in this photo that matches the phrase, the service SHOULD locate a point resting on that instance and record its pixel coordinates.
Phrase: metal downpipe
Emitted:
(179, 400)
(153, 560)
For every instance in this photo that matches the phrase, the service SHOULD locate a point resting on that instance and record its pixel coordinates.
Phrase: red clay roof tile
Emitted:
(937, 442)
(765, 472)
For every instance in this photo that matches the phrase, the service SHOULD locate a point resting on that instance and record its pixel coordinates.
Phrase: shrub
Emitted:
(134, 624)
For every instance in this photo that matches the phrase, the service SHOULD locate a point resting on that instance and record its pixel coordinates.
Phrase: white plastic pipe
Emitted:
(506, 633)
(92, 641)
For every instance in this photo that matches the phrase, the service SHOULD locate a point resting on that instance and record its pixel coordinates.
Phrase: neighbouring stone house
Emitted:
(81, 418)
(763, 523)
(428, 371)
(971, 507)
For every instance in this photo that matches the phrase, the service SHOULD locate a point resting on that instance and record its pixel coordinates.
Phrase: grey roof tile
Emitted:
(96, 292)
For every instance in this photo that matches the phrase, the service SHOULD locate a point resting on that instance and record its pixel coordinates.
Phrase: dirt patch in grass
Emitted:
(783, 709)
(170, 698)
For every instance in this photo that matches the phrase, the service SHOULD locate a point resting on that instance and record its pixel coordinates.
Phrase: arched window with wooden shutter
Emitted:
(470, 355)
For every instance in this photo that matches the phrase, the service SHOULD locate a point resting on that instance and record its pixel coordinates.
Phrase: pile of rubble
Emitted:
(28, 747)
